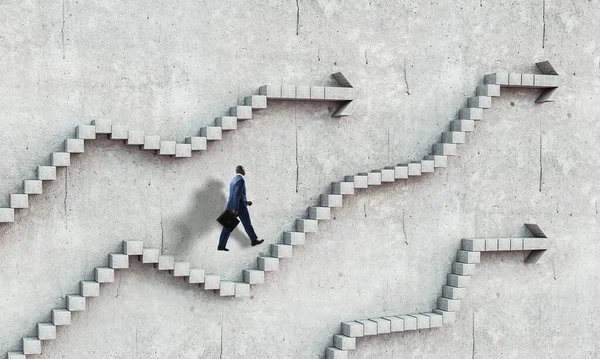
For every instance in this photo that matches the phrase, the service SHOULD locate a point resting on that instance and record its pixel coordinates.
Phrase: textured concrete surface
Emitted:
(170, 69)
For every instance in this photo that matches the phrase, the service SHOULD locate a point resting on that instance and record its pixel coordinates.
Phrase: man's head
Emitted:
(240, 170)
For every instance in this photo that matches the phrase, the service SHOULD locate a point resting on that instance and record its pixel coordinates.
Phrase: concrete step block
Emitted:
(535, 244)
(343, 342)
(444, 149)
(369, 327)
(256, 102)
(307, 225)
(453, 292)
(460, 281)
(453, 137)
(401, 171)
(439, 161)
(526, 79)
(104, 275)
(480, 102)
(253, 276)
(335, 353)
(294, 238)
(546, 80)
(414, 168)
(302, 92)
(7, 215)
(331, 200)
(427, 166)
(360, 181)
(151, 143)
(198, 143)
(352, 329)
(212, 133)
(470, 113)
(450, 305)
(75, 303)
(488, 90)
(516, 244)
(150, 255)
(61, 159)
(396, 324)
(241, 112)
(89, 288)
(242, 289)
(374, 178)
(227, 123)
(61, 317)
(463, 268)
(16, 355)
(32, 346)
(462, 125)
(118, 261)
(321, 213)
(32, 187)
(167, 148)
(343, 188)
(85, 132)
(196, 276)
(103, 126)
(504, 244)
(74, 145)
(491, 244)
(384, 326)
(270, 91)
(165, 262)
(288, 92)
(183, 150)
(500, 78)
(317, 92)
(46, 331)
(226, 288)
(19, 200)
(281, 250)
(514, 79)
(468, 257)
(181, 269)
(423, 321)
(473, 245)
(340, 93)
(387, 175)
(435, 320)
(447, 317)
(268, 264)
(133, 248)
(135, 138)
(119, 132)
(410, 323)
(212, 282)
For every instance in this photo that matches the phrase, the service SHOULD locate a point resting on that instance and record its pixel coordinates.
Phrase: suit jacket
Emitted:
(237, 193)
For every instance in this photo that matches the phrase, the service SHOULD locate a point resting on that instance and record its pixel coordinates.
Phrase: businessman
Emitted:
(238, 205)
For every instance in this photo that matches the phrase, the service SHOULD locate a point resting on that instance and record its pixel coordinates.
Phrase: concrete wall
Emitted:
(170, 67)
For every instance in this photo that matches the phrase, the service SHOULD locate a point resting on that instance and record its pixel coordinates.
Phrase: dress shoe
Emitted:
(257, 242)
(222, 249)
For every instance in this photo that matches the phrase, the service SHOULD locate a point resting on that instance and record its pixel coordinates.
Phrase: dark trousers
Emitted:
(245, 219)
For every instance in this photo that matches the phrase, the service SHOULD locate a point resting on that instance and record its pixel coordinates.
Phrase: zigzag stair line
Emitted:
(439, 159)
(76, 145)
(449, 303)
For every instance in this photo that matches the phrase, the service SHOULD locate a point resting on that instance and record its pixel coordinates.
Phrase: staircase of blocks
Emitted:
(441, 151)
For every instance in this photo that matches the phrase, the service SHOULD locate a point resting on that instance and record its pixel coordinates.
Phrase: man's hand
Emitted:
(235, 213)
(249, 203)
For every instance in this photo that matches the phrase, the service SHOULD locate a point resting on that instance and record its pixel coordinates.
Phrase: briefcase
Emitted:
(228, 220)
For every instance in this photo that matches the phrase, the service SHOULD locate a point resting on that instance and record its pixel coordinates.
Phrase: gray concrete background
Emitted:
(170, 68)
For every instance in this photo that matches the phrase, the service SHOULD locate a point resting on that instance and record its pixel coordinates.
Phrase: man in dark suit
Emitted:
(238, 205)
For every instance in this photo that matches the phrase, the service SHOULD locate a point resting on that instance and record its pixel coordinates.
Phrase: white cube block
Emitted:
(438, 160)
(294, 238)
(444, 149)
(135, 138)
(103, 126)
(89, 288)
(491, 244)
(396, 324)
(119, 132)
(75, 303)
(61, 317)
(281, 250)
(447, 317)
(450, 305)
(74, 145)
(462, 125)
(435, 320)
(212, 282)
(133, 248)
(480, 102)
(270, 91)
(19, 200)
(422, 321)
(196, 276)
(183, 150)
(384, 326)
(268, 264)
(32, 187)
(167, 148)
(360, 181)
(460, 281)
(16, 355)
(414, 168)
(46, 173)
(226, 288)
(343, 342)
(61, 159)
(387, 175)
(500, 78)
(526, 79)
(400, 172)
(307, 225)
(212, 133)
(227, 123)
(453, 292)
(118, 261)
(104, 275)
(317, 92)
(410, 323)
(427, 166)
(166, 263)
(369, 327)
(150, 255)
(242, 289)
(252, 276)
(257, 102)
(335, 353)
(516, 244)
(198, 143)
(470, 113)
(242, 112)
(7, 215)
(32, 346)
(468, 256)
(151, 143)
(463, 268)
(488, 90)
(373, 178)
(473, 245)
(331, 200)
(321, 213)
(352, 329)
(181, 269)
(453, 137)
(514, 79)
(343, 188)
(46, 331)
(86, 132)
(302, 92)
(288, 92)
(504, 244)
